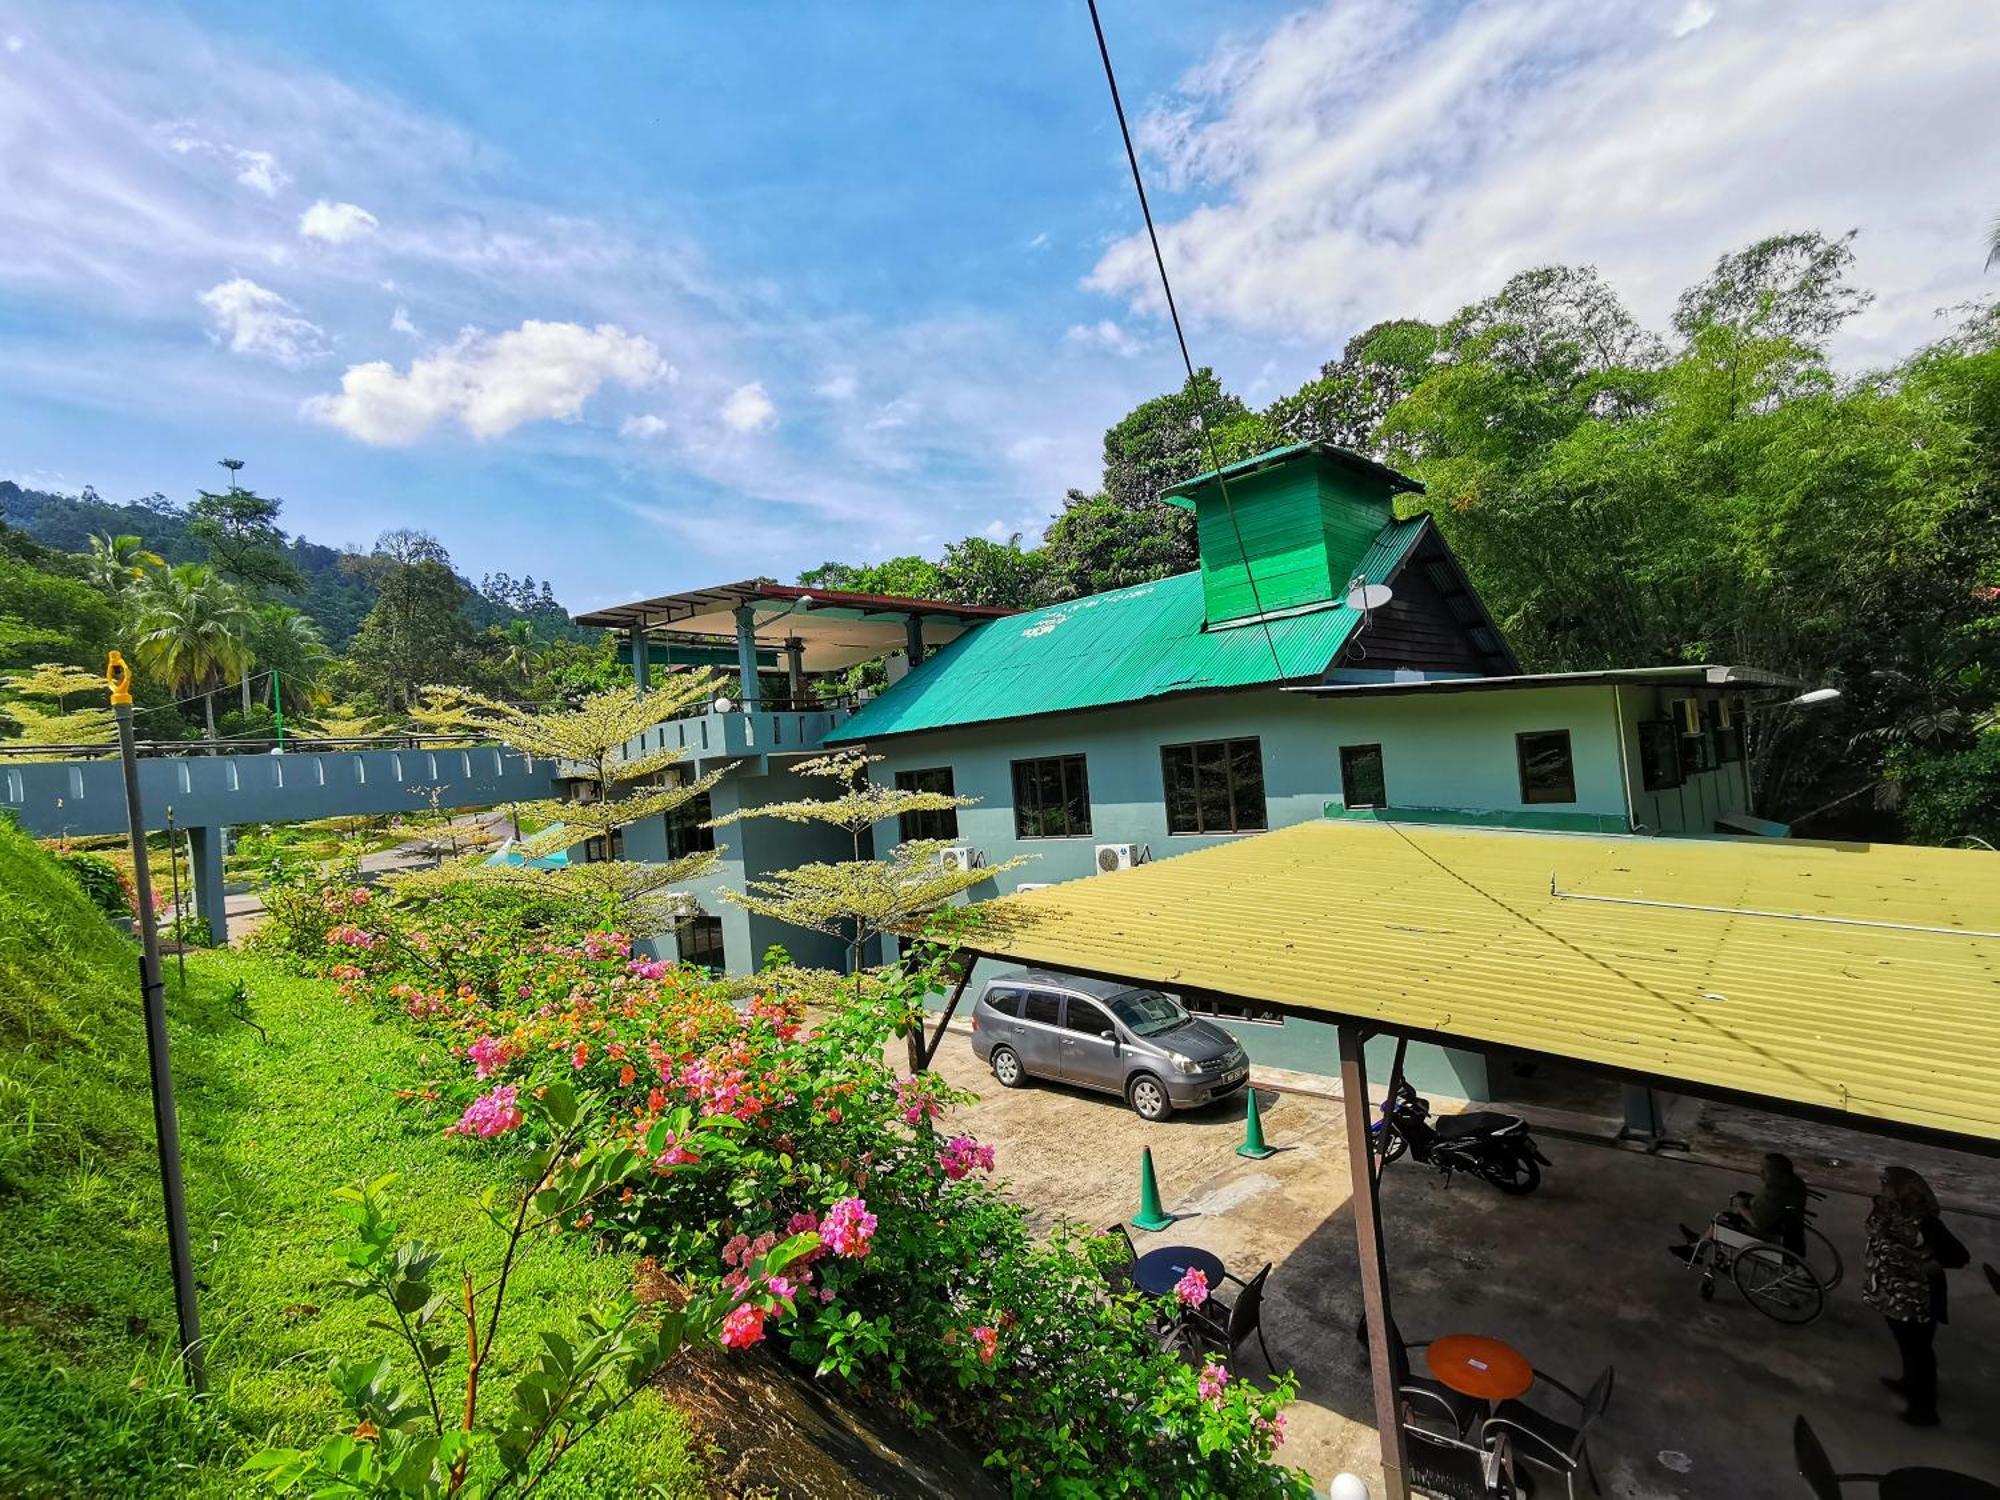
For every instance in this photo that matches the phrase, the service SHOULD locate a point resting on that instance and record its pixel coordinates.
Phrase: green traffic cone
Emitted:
(1253, 1133)
(1151, 1216)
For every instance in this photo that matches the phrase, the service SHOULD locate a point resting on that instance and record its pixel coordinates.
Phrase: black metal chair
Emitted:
(1549, 1443)
(1443, 1466)
(1425, 1398)
(1228, 1326)
(1815, 1467)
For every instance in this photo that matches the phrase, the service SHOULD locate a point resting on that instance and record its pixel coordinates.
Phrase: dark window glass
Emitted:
(1229, 1010)
(1547, 772)
(1006, 1001)
(1659, 755)
(685, 835)
(1216, 786)
(1361, 780)
(1040, 1007)
(1088, 1017)
(941, 824)
(699, 940)
(1698, 749)
(1051, 798)
(1728, 744)
(605, 846)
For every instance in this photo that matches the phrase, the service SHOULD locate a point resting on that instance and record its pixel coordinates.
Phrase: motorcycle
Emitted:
(1496, 1147)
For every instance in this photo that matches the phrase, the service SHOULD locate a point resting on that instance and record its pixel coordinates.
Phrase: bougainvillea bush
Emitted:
(925, 1286)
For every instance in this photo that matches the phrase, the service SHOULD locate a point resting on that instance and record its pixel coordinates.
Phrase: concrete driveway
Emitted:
(1576, 1276)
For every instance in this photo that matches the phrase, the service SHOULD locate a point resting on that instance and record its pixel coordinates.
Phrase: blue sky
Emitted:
(637, 297)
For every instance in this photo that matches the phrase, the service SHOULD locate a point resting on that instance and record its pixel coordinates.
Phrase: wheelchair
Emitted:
(1778, 1282)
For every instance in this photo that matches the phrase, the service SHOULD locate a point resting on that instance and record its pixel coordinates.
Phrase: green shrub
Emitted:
(102, 881)
(1951, 796)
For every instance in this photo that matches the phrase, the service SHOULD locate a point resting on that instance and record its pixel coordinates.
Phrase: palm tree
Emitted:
(192, 628)
(114, 561)
(290, 641)
(521, 650)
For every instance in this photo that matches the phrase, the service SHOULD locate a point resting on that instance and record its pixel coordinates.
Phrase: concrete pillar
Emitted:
(205, 849)
(746, 654)
(795, 670)
(913, 637)
(642, 664)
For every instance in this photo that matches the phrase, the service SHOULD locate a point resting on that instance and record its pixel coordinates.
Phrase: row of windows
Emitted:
(1668, 755)
(1215, 786)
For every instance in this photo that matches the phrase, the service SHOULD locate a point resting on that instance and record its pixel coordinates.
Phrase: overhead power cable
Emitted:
(1180, 337)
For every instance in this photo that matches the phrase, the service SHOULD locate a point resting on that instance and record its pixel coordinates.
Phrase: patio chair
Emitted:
(1425, 1399)
(1815, 1467)
(1443, 1466)
(1118, 1276)
(1228, 1326)
(1551, 1444)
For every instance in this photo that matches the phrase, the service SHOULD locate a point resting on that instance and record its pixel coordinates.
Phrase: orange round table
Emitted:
(1474, 1365)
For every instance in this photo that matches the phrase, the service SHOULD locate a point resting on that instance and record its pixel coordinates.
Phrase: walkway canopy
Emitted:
(1858, 983)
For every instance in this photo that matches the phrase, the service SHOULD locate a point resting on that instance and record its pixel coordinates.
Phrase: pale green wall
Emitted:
(1693, 807)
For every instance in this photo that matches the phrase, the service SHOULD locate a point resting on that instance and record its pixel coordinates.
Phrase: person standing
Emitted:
(1909, 1249)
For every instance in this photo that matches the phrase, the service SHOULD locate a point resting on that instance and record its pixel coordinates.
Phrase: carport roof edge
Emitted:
(1848, 982)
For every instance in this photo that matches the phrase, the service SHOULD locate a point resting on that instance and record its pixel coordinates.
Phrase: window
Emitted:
(1036, 1006)
(1659, 755)
(1214, 787)
(1088, 1017)
(1698, 749)
(1229, 1010)
(685, 834)
(1547, 772)
(1006, 1001)
(1728, 743)
(941, 824)
(1361, 782)
(699, 940)
(1051, 798)
(604, 846)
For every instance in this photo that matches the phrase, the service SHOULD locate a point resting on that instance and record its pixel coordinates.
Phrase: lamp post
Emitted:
(152, 994)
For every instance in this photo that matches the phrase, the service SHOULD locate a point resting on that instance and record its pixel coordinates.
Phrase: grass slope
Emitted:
(90, 1403)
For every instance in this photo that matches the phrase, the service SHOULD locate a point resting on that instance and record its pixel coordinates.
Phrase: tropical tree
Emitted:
(289, 642)
(113, 562)
(192, 629)
(520, 652)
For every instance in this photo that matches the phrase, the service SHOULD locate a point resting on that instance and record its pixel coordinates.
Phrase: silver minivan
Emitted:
(1138, 1043)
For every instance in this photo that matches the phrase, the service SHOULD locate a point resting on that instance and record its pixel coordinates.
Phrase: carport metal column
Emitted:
(746, 656)
(913, 640)
(642, 663)
(1365, 1199)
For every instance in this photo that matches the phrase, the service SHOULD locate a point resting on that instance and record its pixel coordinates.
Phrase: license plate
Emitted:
(1234, 1074)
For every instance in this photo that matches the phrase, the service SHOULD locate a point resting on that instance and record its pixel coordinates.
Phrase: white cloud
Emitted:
(254, 169)
(645, 425)
(1106, 335)
(15, 44)
(399, 322)
(337, 223)
(1039, 242)
(252, 319)
(839, 385)
(748, 409)
(488, 383)
(1372, 159)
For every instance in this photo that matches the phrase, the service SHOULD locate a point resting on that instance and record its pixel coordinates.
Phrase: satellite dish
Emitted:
(1364, 597)
(723, 705)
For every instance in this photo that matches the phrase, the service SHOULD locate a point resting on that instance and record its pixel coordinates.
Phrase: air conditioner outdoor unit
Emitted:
(1119, 857)
(1032, 885)
(959, 857)
(1687, 711)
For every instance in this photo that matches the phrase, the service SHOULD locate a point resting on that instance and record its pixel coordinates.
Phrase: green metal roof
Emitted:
(1182, 494)
(1127, 646)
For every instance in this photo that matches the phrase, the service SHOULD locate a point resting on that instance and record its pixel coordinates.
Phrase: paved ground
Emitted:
(1576, 1277)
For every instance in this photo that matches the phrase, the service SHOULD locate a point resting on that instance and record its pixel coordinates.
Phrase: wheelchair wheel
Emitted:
(1779, 1284)
(1823, 1260)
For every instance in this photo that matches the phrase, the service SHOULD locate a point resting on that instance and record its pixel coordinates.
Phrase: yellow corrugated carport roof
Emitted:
(1849, 981)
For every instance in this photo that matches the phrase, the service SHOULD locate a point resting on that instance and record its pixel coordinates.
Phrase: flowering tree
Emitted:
(863, 898)
(86, 724)
(613, 789)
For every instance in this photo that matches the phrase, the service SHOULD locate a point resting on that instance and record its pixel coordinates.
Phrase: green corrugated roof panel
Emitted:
(1126, 646)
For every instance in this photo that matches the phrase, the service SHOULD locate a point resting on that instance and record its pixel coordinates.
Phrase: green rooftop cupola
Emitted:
(1306, 514)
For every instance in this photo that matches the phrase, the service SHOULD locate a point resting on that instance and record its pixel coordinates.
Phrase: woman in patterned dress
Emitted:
(1905, 1283)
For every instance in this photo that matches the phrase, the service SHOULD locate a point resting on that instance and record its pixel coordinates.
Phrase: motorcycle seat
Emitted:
(1478, 1122)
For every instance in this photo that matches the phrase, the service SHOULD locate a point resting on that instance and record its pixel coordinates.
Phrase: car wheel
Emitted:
(1148, 1098)
(1007, 1068)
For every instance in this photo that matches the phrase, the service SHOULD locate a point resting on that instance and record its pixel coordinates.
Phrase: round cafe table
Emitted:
(1158, 1271)
(1474, 1365)
(1935, 1484)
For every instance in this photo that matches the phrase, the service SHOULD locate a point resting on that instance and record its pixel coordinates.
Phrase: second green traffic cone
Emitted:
(1150, 1216)
(1253, 1133)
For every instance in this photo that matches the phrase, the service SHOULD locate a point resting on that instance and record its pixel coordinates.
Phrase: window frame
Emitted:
(1529, 798)
(682, 948)
(909, 826)
(1230, 749)
(1662, 732)
(1381, 771)
(1090, 1005)
(685, 831)
(1029, 772)
(1030, 996)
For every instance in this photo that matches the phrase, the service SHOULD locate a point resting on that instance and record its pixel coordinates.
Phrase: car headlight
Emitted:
(1185, 1064)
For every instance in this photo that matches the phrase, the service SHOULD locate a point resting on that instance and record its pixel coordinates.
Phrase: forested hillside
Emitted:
(1716, 491)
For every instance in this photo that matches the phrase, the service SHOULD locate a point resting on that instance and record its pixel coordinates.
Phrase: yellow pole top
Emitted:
(118, 677)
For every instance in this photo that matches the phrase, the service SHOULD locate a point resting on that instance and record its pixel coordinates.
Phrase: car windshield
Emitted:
(1148, 1012)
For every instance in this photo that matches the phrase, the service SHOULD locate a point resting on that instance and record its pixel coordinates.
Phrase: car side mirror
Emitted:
(1109, 1036)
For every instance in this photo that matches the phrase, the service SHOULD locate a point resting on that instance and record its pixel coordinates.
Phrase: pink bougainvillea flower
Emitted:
(1192, 1289)
(488, 1056)
(806, 1223)
(743, 1326)
(1213, 1379)
(988, 1342)
(781, 1287)
(961, 1154)
(848, 1228)
(490, 1115)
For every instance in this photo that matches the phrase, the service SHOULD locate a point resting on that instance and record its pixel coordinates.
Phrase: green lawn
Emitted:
(89, 1399)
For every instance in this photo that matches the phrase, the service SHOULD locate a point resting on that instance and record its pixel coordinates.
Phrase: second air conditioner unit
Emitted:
(1112, 857)
(1032, 885)
(959, 857)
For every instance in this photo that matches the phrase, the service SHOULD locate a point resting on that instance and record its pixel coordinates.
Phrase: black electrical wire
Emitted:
(1180, 336)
